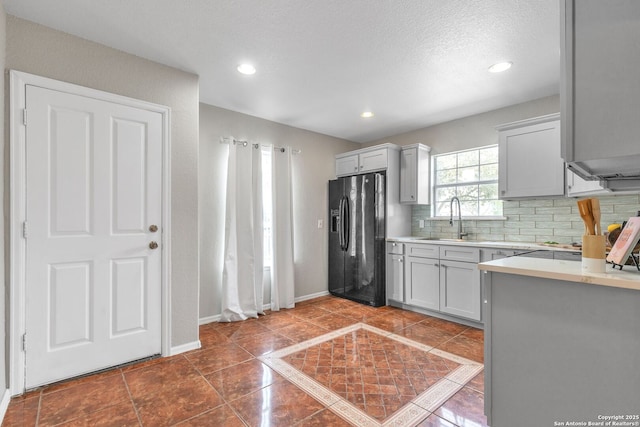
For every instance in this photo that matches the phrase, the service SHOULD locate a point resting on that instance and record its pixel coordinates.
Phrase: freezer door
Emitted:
(336, 252)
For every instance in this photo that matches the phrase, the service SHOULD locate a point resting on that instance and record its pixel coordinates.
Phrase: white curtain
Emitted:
(282, 277)
(243, 252)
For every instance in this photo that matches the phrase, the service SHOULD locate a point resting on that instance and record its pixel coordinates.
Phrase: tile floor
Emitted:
(378, 366)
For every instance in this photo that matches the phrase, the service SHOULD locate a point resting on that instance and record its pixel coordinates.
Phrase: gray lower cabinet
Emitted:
(395, 271)
(422, 282)
(460, 289)
(443, 279)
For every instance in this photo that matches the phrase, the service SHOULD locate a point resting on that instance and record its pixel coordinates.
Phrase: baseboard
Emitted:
(183, 348)
(312, 296)
(4, 405)
(216, 317)
(208, 319)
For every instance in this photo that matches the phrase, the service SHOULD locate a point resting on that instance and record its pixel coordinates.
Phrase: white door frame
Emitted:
(17, 211)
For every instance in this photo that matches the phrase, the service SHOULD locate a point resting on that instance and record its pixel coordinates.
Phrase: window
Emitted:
(470, 175)
(266, 204)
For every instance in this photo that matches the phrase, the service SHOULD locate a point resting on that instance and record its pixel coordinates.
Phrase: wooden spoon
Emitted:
(584, 207)
(595, 212)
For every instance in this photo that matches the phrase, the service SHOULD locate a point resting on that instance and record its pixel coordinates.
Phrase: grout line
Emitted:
(135, 407)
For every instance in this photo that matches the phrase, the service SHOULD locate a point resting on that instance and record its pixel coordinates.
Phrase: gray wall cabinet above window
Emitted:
(414, 174)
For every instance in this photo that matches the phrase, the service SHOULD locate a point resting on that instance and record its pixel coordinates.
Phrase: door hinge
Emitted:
(24, 342)
(24, 117)
(25, 231)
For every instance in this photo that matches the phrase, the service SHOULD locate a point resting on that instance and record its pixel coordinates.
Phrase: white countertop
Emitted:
(571, 271)
(482, 244)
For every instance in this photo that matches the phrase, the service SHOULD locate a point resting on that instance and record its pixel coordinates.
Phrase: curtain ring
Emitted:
(255, 146)
(282, 150)
(244, 143)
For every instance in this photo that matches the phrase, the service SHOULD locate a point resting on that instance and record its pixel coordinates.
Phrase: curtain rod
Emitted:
(231, 140)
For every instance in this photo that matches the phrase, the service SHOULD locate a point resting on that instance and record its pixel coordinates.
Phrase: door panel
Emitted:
(70, 147)
(129, 147)
(93, 284)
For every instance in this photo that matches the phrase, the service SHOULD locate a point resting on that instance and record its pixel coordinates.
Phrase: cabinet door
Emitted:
(395, 277)
(422, 282)
(374, 160)
(577, 186)
(530, 161)
(347, 165)
(460, 289)
(408, 175)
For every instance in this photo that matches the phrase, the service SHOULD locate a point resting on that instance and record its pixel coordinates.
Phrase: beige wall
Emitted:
(476, 130)
(39, 50)
(311, 171)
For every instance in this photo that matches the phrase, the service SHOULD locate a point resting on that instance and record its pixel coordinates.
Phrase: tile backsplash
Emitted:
(532, 220)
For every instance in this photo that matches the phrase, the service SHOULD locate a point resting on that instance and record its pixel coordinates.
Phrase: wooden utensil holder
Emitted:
(593, 254)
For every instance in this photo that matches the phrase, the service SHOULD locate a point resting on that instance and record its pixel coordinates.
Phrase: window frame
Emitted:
(435, 186)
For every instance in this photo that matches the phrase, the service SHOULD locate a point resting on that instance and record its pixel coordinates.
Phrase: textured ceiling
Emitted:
(321, 63)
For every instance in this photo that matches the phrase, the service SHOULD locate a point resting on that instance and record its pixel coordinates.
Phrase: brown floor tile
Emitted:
(426, 334)
(218, 357)
(22, 411)
(275, 320)
(332, 321)
(466, 407)
(239, 330)
(82, 399)
(308, 312)
(182, 401)
(280, 404)
(361, 312)
(465, 347)
(477, 383)
(302, 331)
(445, 325)
(375, 373)
(435, 421)
(155, 378)
(323, 418)
(240, 380)
(210, 336)
(264, 343)
(220, 416)
(80, 380)
(335, 304)
(390, 322)
(122, 414)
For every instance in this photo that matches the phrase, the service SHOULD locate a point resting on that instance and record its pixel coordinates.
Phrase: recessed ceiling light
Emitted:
(500, 67)
(247, 69)
(366, 115)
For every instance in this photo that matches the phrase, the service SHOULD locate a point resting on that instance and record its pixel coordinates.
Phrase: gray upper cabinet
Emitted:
(363, 161)
(600, 90)
(414, 174)
(530, 161)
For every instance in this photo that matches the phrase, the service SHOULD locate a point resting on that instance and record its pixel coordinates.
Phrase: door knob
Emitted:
(153, 228)
(153, 245)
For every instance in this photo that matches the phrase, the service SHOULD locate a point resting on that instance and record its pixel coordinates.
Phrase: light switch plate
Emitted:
(421, 223)
(320, 223)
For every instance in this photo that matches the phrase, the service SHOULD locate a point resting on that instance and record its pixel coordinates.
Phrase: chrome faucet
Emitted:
(460, 233)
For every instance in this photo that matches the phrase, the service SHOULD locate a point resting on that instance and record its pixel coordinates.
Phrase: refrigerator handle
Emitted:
(346, 221)
(340, 219)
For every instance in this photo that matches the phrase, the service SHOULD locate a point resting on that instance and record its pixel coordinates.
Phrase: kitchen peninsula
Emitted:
(560, 346)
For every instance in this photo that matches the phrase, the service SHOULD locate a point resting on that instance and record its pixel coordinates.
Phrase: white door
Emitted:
(93, 278)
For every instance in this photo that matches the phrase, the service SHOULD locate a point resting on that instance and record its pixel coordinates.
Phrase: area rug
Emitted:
(372, 377)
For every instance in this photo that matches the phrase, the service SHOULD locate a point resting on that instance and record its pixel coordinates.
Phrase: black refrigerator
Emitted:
(357, 238)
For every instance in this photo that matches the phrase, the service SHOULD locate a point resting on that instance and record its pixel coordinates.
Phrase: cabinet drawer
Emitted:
(395, 248)
(460, 253)
(567, 256)
(423, 251)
